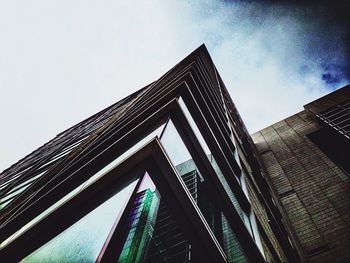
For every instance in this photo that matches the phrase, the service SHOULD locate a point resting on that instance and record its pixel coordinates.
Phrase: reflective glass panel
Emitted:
(231, 245)
(194, 126)
(85, 184)
(83, 241)
(184, 164)
(140, 222)
(153, 232)
(212, 160)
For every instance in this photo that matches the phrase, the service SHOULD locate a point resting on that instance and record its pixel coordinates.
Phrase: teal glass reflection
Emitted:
(232, 247)
(141, 221)
(83, 241)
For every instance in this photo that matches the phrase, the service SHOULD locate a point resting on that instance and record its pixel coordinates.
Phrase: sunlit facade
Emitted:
(168, 174)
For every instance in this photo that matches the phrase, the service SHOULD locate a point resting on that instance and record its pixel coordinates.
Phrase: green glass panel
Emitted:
(231, 245)
(141, 222)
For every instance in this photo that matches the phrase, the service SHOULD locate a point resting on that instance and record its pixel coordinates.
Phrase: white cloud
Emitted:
(62, 61)
(272, 57)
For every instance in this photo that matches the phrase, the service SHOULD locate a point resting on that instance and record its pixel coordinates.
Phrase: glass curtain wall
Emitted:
(153, 235)
(85, 184)
(244, 216)
(83, 241)
(184, 164)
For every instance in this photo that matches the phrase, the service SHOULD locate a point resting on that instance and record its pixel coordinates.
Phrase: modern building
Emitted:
(167, 174)
(307, 159)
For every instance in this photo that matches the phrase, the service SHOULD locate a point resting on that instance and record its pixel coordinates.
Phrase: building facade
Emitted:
(168, 174)
(307, 158)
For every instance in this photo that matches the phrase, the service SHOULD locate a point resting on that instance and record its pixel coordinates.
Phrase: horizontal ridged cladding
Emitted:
(313, 190)
(50, 157)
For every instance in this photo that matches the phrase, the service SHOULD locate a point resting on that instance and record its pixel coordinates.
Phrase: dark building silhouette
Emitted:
(167, 174)
(307, 159)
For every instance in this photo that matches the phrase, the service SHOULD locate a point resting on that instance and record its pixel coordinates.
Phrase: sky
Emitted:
(62, 61)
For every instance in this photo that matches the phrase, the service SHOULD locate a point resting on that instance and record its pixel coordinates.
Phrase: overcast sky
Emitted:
(62, 61)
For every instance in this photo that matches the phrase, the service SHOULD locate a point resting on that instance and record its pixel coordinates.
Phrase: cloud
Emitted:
(62, 61)
(274, 58)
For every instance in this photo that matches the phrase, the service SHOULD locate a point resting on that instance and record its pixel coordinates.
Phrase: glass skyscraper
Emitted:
(167, 174)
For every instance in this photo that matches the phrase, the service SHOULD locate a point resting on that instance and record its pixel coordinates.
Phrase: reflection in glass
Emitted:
(153, 232)
(244, 184)
(194, 126)
(175, 148)
(83, 241)
(85, 184)
(212, 160)
(231, 245)
(199, 188)
(125, 155)
(184, 165)
(140, 222)
(256, 233)
(17, 190)
(228, 189)
(235, 154)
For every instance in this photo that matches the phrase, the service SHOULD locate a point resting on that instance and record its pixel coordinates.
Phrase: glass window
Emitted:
(231, 245)
(126, 154)
(17, 190)
(141, 227)
(211, 159)
(85, 184)
(83, 241)
(184, 164)
(154, 235)
(256, 234)
(194, 126)
(235, 154)
(244, 184)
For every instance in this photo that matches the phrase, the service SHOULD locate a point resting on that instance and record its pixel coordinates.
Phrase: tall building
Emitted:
(167, 174)
(307, 159)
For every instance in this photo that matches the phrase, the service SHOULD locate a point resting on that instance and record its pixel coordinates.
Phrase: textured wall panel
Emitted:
(315, 192)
